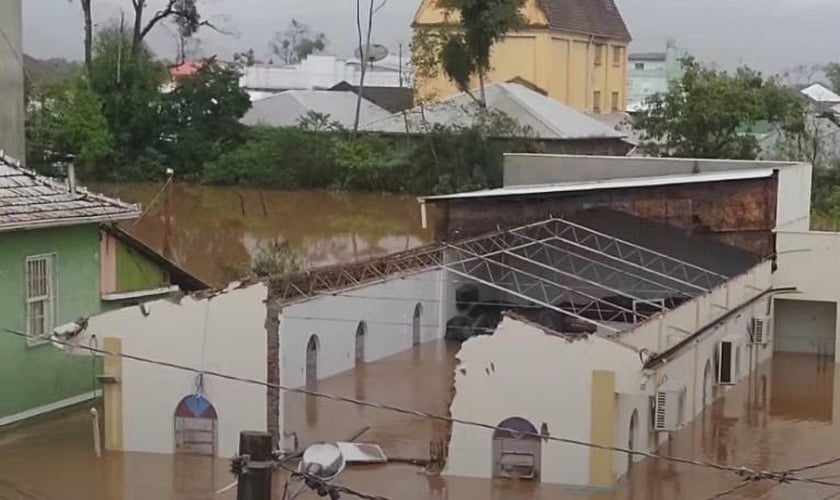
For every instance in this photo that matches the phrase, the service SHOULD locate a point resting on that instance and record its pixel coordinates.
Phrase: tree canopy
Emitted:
(297, 42)
(711, 114)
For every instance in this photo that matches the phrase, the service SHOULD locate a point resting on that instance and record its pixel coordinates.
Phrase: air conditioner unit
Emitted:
(668, 408)
(729, 361)
(759, 332)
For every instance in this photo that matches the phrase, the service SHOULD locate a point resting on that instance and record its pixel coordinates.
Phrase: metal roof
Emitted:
(29, 200)
(820, 93)
(662, 180)
(546, 118)
(286, 108)
(647, 56)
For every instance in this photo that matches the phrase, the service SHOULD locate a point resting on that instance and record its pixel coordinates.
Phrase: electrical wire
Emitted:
(151, 203)
(325, 484)
(725, 493)
(744, 472)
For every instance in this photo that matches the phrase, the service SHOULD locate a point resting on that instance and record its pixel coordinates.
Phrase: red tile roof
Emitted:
(592, 17)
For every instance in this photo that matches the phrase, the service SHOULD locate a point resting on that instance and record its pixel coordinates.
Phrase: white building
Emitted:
(321, 72)
(650, 73)
(589, 322)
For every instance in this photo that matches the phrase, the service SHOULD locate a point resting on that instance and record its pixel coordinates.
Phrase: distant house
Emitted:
(650, 73)
(574, 49)
(322, 72)
(560, 128)
(180, 71)
(61, 259)
(392, 99)
(286, 109)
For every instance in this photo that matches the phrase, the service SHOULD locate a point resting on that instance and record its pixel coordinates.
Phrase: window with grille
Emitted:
(40, 298)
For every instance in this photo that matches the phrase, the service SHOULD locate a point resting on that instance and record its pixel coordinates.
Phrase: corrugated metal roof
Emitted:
(29, 200)
(547, 118)
(662, 180)
(592, 17)
(820, 93)
(287, 108)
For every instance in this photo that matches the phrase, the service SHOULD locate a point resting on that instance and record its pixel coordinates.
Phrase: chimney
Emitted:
(71, 177)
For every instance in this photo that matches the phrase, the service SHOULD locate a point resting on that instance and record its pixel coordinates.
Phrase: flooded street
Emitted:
(216, 230)
(786, 415)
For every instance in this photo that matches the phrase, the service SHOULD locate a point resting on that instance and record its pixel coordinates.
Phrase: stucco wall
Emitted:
(387, 309)
(11, 79)
(43, 375)
(562, 64)
(225, 333)
(522, 372)
(808, 261)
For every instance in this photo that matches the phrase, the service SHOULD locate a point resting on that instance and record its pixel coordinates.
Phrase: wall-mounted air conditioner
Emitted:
(729, 361)
(759, 331)
(668, 408)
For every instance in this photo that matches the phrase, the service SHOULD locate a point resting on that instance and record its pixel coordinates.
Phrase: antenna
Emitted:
(372, 53)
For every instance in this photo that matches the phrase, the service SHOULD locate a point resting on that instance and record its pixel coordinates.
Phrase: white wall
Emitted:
(520, 371)
(225, 333)
(808, 261)
(388, 310)
(793, 205)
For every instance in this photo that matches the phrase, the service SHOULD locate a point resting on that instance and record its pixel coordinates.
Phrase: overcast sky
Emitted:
(770, 35)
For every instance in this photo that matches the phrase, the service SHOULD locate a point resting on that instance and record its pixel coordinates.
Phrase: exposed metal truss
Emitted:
(556, 264)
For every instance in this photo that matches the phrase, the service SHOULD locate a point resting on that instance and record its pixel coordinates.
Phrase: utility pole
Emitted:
(167, 226)
(253, 466)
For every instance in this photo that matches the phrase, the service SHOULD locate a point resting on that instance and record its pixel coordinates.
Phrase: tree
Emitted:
(200, 118)
(128, 86)
(297, 43)
(87, 14)
(832, 72)
(69, 125)
(465, 53)
(184, 12)
(711, 114)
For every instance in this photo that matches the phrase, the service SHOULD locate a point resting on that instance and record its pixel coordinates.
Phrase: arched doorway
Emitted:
(312, 362)
(517, 450)
(631, 437)
(415, 325)
(196, 426)
(707, 383)
(361, 332)
(311, 376)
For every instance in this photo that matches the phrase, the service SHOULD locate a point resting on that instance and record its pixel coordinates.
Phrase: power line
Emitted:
(329, 486)
(725, 493)
(744, 472)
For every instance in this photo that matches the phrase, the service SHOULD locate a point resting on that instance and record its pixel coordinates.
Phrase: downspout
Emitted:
(590, 61)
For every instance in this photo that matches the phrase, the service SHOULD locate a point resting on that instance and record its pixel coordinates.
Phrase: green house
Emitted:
(63, 258)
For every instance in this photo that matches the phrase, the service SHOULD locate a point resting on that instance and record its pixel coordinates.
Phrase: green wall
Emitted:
(31, 377)
(136, 272)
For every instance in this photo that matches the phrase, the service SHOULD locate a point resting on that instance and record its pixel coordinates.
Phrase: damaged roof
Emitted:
(30, 200)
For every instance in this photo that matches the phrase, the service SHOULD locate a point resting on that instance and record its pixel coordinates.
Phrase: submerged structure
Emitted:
(605, 300)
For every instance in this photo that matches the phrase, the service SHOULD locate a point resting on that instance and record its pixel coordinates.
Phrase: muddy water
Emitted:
(216, 229)
(786, 415)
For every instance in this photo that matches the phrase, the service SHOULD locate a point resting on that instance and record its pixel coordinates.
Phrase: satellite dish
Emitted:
(373, 53)
(323, 461)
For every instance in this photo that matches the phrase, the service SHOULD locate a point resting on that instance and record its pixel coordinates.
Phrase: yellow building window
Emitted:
(596, 101)
(599, 54)
(615, 102)
(617, 56)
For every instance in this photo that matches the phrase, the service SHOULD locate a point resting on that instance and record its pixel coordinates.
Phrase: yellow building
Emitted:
(573, 50)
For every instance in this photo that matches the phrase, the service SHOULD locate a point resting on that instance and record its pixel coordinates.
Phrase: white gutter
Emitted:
(72, 221)
(154, 292)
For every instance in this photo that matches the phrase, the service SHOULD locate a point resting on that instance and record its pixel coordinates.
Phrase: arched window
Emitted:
(196, 426)
(361, 332)
(517, 450)
(707, 383)
(631, 437)
(415, 325)
(312, 361)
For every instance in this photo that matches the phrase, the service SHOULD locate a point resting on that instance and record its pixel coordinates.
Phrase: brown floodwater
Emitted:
(787, 414)
(216, 230)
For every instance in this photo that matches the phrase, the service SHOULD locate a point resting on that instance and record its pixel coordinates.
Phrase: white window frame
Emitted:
(51, 298)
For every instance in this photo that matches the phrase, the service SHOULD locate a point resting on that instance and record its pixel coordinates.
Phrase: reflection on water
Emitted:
(785, 415)
(216, 228)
